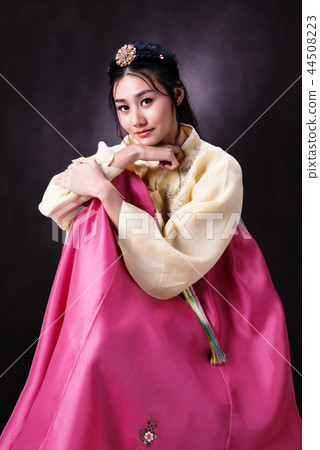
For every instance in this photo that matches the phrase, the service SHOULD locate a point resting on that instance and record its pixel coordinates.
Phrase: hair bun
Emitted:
(149, 53)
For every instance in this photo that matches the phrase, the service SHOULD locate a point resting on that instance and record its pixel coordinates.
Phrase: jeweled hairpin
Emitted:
(125, 55)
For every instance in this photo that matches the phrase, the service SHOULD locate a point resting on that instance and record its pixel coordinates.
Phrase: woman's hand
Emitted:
(168, 156)
(84, 177)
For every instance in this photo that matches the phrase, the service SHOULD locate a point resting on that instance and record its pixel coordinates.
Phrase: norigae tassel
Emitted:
(217, 355)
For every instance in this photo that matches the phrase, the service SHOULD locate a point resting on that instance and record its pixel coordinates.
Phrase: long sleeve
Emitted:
(166, 258)
(62, 205)
(195, 236)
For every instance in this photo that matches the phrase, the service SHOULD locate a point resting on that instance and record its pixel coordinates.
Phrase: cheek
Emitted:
(164, 113)
(123, 120)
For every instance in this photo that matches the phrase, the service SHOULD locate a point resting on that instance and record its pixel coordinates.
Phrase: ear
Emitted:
(179, 93)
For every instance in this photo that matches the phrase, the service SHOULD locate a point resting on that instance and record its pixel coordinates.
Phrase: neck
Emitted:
(183, 137)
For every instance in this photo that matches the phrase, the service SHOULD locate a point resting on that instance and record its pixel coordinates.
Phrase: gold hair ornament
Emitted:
(125, 55)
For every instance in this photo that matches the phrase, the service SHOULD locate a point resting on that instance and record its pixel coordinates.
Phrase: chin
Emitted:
(148, 141)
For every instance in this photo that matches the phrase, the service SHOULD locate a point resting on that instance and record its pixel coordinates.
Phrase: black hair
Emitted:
(164, 66)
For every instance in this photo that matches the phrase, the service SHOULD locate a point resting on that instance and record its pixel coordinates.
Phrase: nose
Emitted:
(138, 118)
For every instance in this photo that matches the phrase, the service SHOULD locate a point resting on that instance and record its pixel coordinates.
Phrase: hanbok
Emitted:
(118, 368)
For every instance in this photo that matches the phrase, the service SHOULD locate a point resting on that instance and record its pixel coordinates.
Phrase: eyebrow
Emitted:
(139, 94)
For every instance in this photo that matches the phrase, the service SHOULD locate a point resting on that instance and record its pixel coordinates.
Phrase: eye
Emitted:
(146, 101)
(122, 108)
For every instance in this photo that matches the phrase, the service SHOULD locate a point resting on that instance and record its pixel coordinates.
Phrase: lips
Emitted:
(144, 133)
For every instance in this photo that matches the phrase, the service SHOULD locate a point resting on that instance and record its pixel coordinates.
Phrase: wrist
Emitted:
(103, 189)
(126, 156)
(135, 151)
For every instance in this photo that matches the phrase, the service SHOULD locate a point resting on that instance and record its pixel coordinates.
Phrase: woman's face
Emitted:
(145, 114)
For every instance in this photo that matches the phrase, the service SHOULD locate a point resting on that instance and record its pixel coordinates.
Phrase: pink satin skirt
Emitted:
(117, 369)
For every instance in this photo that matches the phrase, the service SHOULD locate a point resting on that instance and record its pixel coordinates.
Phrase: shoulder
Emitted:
(214, 159)
(217, 175)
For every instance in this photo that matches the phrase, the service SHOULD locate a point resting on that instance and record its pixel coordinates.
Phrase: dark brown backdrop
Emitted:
(237, 58)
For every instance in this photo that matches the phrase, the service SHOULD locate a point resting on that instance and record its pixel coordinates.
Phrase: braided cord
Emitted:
(217, 355)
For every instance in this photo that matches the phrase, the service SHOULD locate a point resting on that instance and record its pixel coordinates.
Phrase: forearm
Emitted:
(111, 201)
(125, 157)
(167, 155)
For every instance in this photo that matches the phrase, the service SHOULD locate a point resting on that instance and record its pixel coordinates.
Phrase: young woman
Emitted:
(163, 328)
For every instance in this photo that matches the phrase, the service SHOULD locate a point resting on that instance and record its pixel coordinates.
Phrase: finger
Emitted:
(68, 170)
(178, 152)
(175, 163)
(77, 164)
(168, 165)
(173, 166)
(172, 148)
(66, 175)
(80, 160)
(59, 182)
(92, 162)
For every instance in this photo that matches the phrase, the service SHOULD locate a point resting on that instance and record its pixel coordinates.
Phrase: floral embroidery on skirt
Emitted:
(148, 434)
